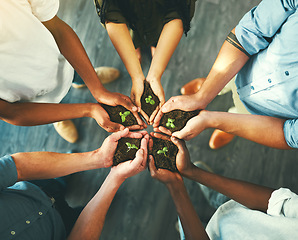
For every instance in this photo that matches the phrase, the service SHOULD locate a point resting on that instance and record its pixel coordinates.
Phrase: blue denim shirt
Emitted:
(268, 83)
(26, 212)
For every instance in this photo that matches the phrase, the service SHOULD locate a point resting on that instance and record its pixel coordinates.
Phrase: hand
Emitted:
(183, 163)
(136, 93)
(185, 103)
(107, 150)
(130, 168)
(114, 99)
(193, 127)
(165, 176)
(159, 92)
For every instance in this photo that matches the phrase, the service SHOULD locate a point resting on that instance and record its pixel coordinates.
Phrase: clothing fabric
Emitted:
(150, 17)
(268, 83)
(234, 221)
(26, 212)
(31, 66)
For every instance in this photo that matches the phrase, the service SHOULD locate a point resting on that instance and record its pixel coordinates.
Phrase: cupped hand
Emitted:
(159, 92)
(136, 93)
(114, 99)
(183, 163)
(194, 126)
(163, 175)
(130, 168)
(184, 103)
(107, 150)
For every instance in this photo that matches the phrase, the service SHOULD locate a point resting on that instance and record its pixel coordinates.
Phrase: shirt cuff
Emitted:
(277, 200)
(291, 132)
(8, 172)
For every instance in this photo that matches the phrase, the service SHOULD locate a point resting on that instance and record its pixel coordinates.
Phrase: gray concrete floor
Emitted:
(142, 208)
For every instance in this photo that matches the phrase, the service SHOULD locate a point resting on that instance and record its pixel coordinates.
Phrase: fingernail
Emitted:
(134, 109)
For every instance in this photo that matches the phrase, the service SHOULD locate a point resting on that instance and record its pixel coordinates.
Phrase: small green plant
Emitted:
(131, 146)
(163, 151)
(170, 123)
(150, 100)
(124, 115)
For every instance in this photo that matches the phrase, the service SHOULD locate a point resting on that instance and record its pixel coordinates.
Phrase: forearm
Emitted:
(91, 221)
(31, 114)
(72, 49)
(45, 165)
(123, 44)
(248, 194)
(192, 226)
(227, 64)
(261, 129)
(167, 43)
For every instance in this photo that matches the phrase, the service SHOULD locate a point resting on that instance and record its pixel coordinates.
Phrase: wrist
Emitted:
(151, 78)
(116, 177)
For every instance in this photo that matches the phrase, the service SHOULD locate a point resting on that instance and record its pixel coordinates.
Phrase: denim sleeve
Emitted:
(291, 132)
(259, 25)
(8, 172)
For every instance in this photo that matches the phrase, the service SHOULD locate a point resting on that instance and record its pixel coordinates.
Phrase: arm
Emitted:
(167, 43)
(120, 37)
(250, 195)
(31, 114)
(91, 221)
(192, 226)
(72, 49)
(29, 165)
(229, 61)
(265, 130)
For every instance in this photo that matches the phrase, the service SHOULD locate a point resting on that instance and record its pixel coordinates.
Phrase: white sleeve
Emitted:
(44, 10)
(284, 203)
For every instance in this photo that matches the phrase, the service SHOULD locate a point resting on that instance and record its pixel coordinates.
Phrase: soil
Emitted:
(180, 119)
(113, 112)
(147, 107)
(123, 153)
(167, 160)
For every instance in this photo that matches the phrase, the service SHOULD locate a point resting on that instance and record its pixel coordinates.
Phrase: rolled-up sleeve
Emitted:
(8, 172)
(283, 203)
(44, 10)
(291, 132)
(262, 22)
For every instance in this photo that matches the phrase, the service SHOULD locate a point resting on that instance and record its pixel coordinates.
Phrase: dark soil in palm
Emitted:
(149, 105)
(114, 113)
(180, 119)
(125, 150)
(164, 159)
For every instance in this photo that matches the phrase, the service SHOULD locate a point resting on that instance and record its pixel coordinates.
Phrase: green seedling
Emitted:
(131, 146)
(170, 123)
(163, 151)
(124, 115)
(150, 100)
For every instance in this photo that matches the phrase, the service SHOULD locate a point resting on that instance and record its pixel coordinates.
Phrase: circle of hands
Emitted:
(142, 160)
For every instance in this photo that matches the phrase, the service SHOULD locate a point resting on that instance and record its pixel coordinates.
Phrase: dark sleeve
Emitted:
(8, 172)
(113, 13)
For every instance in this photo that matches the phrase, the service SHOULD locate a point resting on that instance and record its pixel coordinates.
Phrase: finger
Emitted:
(120, 134)
(179, 143)
(144, 146)
(157, 118)
(127, 103)
(152, 117)
(145, 116)
(183, 135)
(171, 104)
(152, 167)
(138, 118)
(134, 135)
(161, 136)
(156, 129)
(150, 144)
(135, 127)
(165, 130)
(137, 161)
(113, 127)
